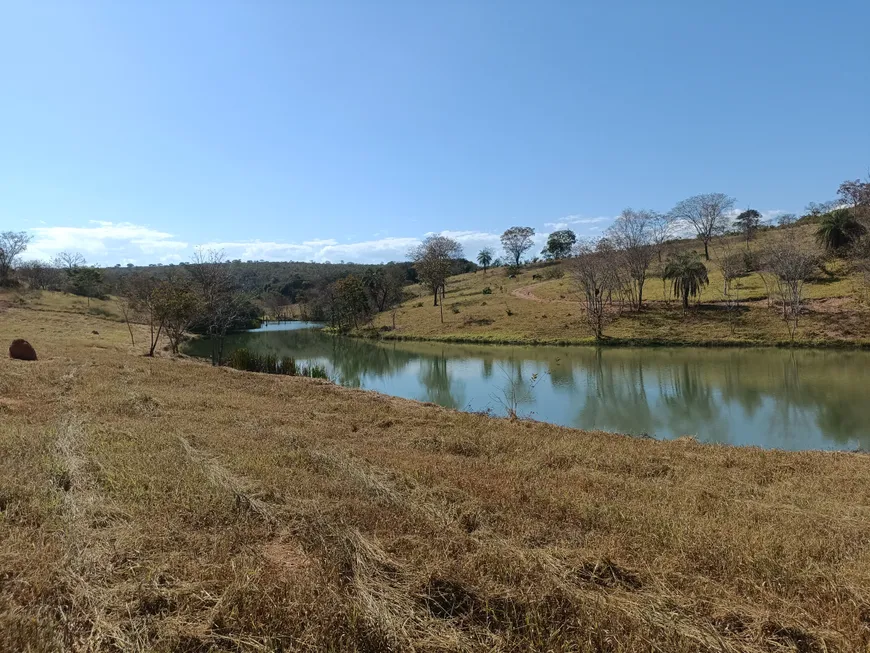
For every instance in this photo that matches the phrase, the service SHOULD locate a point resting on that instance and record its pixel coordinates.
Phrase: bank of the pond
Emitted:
(381, 334)
(164, 504)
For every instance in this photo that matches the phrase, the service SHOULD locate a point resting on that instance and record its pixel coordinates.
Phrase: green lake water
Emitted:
(773, 398)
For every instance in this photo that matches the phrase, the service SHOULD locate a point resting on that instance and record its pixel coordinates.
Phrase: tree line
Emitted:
(611, 272)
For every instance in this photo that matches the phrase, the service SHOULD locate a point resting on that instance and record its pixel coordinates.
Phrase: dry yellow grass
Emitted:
(164, 505)
(530, 310)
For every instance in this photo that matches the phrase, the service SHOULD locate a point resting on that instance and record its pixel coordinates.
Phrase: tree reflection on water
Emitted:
(792, 399)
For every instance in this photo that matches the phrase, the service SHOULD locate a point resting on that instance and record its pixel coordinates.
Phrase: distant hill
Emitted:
(292, 279)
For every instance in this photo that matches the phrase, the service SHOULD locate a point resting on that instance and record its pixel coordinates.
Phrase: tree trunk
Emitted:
(442, 312)
(706, 251)
(685, 300)
(436, 298)
(155, 339)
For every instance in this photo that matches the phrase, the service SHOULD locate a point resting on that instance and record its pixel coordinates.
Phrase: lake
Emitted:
(773, 398)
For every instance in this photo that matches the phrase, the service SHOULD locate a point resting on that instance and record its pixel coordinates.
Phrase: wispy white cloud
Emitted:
(369, 251)
(327, 249)
(105, 242)
(101, 238)
(574, 222)
(258, 249)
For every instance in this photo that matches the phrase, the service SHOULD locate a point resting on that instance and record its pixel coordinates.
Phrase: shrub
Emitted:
(102, 312)
(477, 321)
(839, 229)
(419, 304)
(487, 291)
(455, 309)
(509, 312)
(554, 273)
(751, 261)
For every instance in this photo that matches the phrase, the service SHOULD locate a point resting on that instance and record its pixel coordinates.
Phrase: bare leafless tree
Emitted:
(786, 219)
(517, 241)
(854, 193)
(38, 274)
(661, 230)
(816, 209)
(127, 305)
(859, 257)
(221, 304)
(791, 262)
(68, 261)
(708, 214)
(590, 267)
(732, 265)
(141, 291)
(633, 237)
(12, 244)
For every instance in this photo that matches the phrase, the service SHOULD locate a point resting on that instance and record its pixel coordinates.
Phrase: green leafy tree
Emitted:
(141, 292)
(384, 286)
(177, 307)
(484, 258)
(85, 281)
(559, 244)
(687, 274)
(748, 223)
(351, 302)
(517, 241)
(838, 230)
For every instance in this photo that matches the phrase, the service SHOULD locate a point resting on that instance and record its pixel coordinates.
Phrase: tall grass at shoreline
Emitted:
(249, 361)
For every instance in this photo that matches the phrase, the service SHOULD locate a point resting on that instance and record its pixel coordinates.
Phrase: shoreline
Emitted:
(858, 345)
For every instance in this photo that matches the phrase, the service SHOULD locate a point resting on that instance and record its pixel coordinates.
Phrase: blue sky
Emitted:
(136, 131)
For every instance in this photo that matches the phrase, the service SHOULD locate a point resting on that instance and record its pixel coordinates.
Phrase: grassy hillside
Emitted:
(542, 310)
(162, 504)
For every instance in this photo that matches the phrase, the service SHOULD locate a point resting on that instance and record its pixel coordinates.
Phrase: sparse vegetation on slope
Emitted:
(546, 304)
(164, 504)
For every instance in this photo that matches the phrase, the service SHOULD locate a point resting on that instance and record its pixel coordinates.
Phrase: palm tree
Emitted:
(687, 275)
(839, 229)
(485, 258)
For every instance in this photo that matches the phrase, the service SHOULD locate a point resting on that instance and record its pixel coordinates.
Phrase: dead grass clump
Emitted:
(731, 624)
(779, 637)
(139, 403)
(463, 446)
(606, 573)
(451, 600)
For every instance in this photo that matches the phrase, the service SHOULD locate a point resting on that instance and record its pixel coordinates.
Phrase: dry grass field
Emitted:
(529, 310)
(165, 505)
